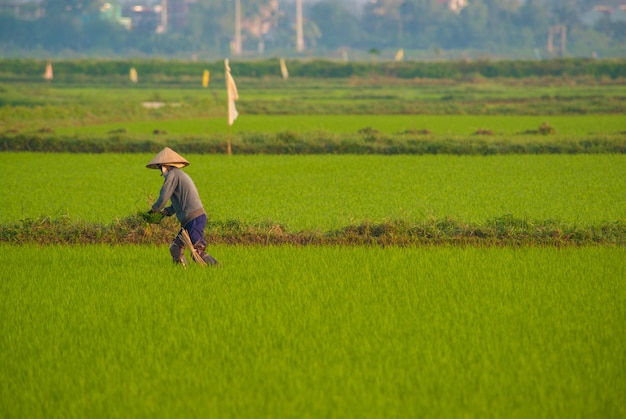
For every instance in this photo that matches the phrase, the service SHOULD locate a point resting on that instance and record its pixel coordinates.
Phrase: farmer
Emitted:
(185, 203)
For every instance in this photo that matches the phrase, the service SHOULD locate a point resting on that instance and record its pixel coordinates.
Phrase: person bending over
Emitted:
(179, 188)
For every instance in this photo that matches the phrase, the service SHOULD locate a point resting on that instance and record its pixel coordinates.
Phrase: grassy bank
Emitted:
(482, 142)
(501, 231)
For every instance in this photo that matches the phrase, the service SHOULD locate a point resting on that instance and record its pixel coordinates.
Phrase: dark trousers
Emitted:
(195, 228)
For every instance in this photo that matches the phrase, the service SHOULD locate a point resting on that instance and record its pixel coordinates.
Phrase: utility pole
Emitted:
(299, 31)
(237, 44)
(164, 15)
(562, 32)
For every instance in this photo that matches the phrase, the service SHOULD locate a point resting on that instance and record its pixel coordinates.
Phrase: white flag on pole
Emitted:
(48, 74)
(231, 87)
(283, 69)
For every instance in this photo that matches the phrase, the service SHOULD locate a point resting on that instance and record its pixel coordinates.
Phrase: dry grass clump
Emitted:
(368, 131)
(544, 129)
(415, 132)
(118, 131)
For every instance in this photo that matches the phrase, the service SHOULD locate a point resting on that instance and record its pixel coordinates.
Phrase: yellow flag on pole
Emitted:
(205, 78)
(233, 96)
(400, 55)
(133, 75)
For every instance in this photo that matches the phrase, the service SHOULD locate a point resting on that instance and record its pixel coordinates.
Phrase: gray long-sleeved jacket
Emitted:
(180, 189)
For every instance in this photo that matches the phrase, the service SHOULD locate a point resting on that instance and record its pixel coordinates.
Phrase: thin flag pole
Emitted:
(299, 31)
(236, 45)
(229, 150)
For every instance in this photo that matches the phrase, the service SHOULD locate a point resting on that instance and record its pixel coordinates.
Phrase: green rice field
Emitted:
(324, 192)
(393, 104)
(578, 126)
(472, 281)
(337, 332)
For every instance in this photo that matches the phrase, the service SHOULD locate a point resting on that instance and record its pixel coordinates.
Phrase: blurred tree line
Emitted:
(499, 27)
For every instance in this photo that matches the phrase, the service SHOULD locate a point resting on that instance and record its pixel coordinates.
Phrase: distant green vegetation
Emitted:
(109, 331)
(177, 70)
(428, 29)
(367, 141)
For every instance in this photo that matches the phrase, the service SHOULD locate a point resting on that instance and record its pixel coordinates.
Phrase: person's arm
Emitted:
(166, 193)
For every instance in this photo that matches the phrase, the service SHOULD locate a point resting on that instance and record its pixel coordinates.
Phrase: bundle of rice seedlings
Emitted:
(152, 217)
(184, 236)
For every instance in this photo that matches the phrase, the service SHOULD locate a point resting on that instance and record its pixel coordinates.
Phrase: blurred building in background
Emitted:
(455, 5)
(23, 9)
(613, 14)
(157, 15)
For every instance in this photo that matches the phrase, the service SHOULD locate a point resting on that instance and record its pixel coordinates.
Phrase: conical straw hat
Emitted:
(167, 157)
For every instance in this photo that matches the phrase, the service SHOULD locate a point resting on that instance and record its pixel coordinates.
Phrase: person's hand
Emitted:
(153, 217)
